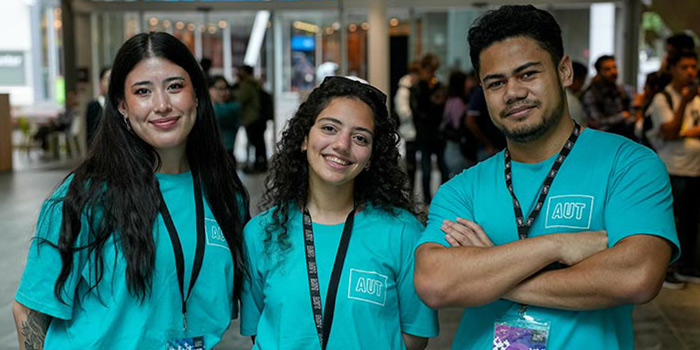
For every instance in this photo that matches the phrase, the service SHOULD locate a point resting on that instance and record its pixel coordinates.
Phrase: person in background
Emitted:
(94, 108)
(339, 216)
(62, 123)
(141, 246)
(407, 131)
(573, 93)
(428, 97)
(206, 64)
(248, 95)
(489, 138)
(675, 135)
(227, 111)
(606, 103)
(453, 126)
(550, 243)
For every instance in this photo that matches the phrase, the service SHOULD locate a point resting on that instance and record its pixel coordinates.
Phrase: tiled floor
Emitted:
(671, 321)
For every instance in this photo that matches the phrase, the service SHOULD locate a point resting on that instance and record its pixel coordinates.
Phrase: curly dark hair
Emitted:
(515, 20)
(383, 184)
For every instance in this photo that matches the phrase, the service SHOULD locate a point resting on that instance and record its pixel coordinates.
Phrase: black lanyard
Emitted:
(522, 224)
(177, 246)
(323, 323)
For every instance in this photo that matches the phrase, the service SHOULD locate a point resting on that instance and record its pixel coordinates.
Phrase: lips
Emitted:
(519, 110)
(165, 123)
(337, 162)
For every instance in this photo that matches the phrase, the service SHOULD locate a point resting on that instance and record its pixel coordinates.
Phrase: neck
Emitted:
(330, 204)
(545, 146)
(173, 161)
(678, 86)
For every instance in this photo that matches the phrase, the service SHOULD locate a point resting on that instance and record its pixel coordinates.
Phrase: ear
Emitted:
(304, 144)
(122, 107)
(566, 71)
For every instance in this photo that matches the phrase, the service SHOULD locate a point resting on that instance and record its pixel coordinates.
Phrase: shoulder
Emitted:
(396, 218)
(625, 152)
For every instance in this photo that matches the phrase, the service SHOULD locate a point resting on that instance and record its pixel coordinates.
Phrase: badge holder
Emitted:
(196, 343)
(520, 331)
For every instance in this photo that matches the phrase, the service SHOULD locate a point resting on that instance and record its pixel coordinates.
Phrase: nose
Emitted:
(161, 102)
(341, 143)
(514, 91)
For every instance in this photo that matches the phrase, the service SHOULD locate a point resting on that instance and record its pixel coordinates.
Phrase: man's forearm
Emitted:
(629, 273)
(469, 276)
(672, 129)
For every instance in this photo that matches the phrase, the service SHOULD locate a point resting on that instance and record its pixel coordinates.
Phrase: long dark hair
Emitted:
(383, 184)
(116, 187)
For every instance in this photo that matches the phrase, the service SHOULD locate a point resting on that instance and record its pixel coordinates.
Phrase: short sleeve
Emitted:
(416, 318)
(639, 200)
(252, 292)
(36, 288)
(452, 200)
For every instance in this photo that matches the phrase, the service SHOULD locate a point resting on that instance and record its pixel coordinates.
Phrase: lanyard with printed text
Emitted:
(323, 323)
(522, 224)
(177, 246)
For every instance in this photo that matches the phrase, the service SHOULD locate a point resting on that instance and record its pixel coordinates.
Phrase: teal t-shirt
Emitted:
(109, 317)
(606, 183)
(376, 300)
(228, 114)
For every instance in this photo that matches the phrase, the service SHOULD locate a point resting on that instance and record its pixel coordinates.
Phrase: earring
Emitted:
(126, 122)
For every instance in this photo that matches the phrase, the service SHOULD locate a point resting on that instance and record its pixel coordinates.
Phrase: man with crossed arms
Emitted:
(549, 243)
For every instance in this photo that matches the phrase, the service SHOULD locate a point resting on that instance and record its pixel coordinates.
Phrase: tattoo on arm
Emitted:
(34, 330)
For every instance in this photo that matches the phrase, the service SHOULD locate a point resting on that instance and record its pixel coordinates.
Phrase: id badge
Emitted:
(520, 333)
(196, 343)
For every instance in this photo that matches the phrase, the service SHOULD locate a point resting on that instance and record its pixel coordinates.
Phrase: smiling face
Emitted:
(160, 103)
(339, 144)
(523, 88)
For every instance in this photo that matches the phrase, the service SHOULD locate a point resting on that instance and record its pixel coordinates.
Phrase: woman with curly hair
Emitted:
(155, 207)
(331, 259)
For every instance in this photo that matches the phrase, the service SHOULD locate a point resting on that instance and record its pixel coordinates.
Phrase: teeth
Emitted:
(337, 160)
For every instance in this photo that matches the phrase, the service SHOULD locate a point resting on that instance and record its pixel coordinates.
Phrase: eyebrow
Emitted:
(334, 120)
(515, 71)
(166, 80)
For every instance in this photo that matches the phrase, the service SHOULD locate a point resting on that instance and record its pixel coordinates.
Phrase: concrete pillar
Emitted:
(68, 30)
(378, 42)
(602, 32)
(632, 12)
(342, 19)
(5, 134)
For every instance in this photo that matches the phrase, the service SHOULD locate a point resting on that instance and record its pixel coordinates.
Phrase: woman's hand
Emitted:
(465, 233)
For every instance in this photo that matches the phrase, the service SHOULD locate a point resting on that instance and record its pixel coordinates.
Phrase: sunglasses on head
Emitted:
(371, 90)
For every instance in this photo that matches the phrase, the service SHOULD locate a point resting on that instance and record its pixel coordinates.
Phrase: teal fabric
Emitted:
(376, 300)
(607, 182)
(108, 317)
(228, 114)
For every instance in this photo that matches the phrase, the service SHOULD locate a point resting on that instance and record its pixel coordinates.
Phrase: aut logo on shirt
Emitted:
(367, 286)
(215, 236)
(569, 211)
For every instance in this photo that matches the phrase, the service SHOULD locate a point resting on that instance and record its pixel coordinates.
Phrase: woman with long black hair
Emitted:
(331, 260)
(140, 247)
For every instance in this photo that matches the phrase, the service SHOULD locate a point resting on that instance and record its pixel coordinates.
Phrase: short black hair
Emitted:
(512, 21)
(599, 62)
(104, 71)
(674, 59)
(246, 68)
(681, 42)
(580, 70)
